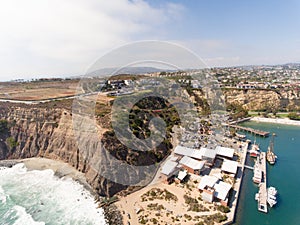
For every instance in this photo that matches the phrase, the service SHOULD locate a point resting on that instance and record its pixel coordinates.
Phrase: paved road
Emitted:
(45, 100)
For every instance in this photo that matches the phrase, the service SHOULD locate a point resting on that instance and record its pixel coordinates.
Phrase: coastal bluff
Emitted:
(263, 99)
(47, 132)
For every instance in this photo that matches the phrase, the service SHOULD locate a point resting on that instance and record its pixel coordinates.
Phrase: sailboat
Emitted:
(271, 157)
(254, 151)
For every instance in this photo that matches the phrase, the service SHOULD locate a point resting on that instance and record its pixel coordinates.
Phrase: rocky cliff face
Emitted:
(48, 131)
(39, 131)
(264, 99)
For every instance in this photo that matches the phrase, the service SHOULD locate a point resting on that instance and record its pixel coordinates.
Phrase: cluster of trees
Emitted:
(237, 110)
(294, 116)
(148, 108)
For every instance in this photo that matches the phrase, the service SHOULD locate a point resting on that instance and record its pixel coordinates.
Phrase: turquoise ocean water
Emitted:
(40, 198)
(284, 175)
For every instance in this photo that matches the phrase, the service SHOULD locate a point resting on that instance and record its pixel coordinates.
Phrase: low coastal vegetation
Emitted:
(293, 116)
(157, 193)
(194, 205)
(215, 218)
(12, 143)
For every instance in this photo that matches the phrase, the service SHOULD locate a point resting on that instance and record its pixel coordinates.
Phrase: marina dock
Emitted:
(251, 130)
(262, 193)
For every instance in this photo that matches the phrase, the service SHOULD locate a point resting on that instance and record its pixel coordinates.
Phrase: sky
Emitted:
(52, 38)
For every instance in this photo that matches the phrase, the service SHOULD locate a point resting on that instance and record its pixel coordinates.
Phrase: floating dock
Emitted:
(262, 193)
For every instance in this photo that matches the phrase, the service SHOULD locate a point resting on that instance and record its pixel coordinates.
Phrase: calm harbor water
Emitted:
(284, 175)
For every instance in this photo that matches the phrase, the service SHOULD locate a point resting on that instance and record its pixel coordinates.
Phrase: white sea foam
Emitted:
(3, 168)
(24, 218)
(2, 196)
(41, 196)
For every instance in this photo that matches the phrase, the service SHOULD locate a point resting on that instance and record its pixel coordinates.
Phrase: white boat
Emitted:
(272, 191)
(272, 197)
(240, 136)
(271, 201)
(254, 153)
(257, 176)
(255, 146)
(256, 196)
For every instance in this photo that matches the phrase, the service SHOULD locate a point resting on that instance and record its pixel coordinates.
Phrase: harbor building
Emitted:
(229, 167)
(169, 171)
(181, 176)
(191, 165)
(212, 188)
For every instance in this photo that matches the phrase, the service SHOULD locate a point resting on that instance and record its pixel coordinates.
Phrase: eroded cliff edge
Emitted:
(47, 130)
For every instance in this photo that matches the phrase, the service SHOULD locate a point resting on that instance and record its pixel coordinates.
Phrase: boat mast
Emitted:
(271, 148)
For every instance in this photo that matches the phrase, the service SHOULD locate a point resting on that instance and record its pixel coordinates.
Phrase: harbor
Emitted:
(279, 175)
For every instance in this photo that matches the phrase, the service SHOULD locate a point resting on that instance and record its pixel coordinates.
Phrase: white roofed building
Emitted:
(184, 151)
(222, 191)
(207, 181)
(209, 155)
(181, 176)
(191, 165)
(229, 166)
(168, 170)
(225, 152)
(211, 188)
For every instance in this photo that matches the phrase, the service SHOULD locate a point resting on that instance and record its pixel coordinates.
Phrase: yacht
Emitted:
(271, 201)
(257, 176)
(254, 153)
(272, 191)
(255, 150)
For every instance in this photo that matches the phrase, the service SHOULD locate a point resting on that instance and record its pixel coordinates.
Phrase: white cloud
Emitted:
(40, 37)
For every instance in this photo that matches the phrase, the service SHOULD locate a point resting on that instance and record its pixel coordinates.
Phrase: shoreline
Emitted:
(60, 168)
(64, 170)
(285, 121)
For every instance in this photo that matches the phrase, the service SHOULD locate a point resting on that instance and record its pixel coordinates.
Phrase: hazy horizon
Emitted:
(63, 38)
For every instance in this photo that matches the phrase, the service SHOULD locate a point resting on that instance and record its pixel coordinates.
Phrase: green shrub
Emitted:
(12, 143)
(293, 116)
(223, 209)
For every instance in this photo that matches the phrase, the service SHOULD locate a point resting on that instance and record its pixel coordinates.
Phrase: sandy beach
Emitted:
(285, 121)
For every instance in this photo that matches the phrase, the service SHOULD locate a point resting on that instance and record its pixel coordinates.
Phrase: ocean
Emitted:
(284, 175)
(40, 198)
